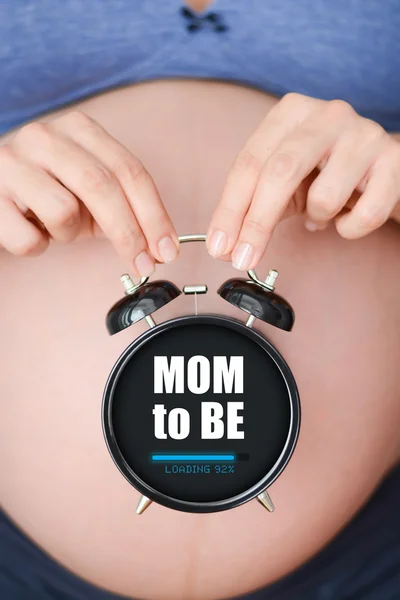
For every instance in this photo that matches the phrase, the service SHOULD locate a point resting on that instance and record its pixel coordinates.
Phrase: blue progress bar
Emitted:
(191, 457)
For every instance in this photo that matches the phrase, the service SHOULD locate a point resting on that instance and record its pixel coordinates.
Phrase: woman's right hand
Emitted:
(61, 171)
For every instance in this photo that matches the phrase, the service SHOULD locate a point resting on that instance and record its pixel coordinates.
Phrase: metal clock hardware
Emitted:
(201, 413)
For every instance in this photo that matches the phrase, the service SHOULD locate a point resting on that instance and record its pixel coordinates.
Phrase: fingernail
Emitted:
(144, 264)
(167, 249)
(311, 226)
(218, 243)
(242, 257)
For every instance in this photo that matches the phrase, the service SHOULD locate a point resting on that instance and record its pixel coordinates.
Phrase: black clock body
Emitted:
(201, 413)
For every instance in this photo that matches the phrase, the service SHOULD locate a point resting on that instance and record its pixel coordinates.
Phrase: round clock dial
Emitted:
(201, 413)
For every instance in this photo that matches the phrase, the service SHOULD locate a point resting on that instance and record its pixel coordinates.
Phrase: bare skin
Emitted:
(199, 5)
(59, 483)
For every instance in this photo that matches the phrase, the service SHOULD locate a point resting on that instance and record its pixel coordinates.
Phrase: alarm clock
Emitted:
(201, 413)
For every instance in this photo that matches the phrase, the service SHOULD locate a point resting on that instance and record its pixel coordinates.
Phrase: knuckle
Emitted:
(372, 217)
(291, 98)
(6, 154)
(32, 133)
(129, 237)
(282, 165)
(246, 162)
(128, 168)
(339, 109)
(96, 178)
(254, 226)
(27, 245)
(372, 130)
(227, 217)
(75, 119)
(322, 200)
(229, 213)
(65, 213)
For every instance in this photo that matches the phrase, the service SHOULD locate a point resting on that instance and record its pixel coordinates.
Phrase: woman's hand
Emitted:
(54, 175)
(313, 157)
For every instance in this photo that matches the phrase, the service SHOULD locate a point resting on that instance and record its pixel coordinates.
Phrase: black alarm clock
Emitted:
(201, 413)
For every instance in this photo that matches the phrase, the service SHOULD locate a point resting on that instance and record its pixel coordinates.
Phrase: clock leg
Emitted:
(143, 503)
(265, 500)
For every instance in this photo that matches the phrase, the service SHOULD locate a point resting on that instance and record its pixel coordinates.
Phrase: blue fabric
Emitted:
(362, 563)
(55, 53)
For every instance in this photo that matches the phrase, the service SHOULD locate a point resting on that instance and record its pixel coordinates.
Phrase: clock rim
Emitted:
(218, 505)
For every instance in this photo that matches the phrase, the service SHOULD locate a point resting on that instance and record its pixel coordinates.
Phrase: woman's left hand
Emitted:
(308, 156)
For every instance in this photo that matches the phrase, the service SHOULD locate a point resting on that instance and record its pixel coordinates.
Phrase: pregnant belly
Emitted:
(58, 480)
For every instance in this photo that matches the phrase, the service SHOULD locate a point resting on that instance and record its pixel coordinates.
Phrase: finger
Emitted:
(52, 204)
(396, 212)
(293, 160)
(244, 174)
(376, 204)
(95, 185)
(312, 226)
(134, 179)
(347, 165)
(18, 235)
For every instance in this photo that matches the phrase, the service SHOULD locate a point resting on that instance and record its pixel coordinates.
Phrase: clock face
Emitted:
(201, 413)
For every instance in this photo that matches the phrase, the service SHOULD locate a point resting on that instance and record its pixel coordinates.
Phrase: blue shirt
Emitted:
(57, 52)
